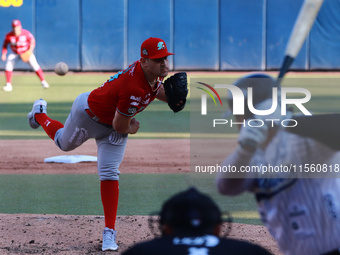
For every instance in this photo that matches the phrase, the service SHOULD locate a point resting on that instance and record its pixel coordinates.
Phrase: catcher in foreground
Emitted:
(22, 44)
(190, 223)
(107, 115)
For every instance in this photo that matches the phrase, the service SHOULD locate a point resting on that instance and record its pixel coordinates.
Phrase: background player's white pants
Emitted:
(13, 58)
(79, 127)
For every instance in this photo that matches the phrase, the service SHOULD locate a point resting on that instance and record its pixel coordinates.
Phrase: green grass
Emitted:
(140, 194)
(157, 121)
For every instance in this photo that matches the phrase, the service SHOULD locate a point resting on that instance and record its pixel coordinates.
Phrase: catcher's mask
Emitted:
(262, 86)
(191, 212)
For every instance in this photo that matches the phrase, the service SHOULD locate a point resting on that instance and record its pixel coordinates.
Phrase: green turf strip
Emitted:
(140, 194)
(157, 121)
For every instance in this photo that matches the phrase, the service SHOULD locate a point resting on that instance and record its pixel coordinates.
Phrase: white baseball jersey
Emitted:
(303, 215)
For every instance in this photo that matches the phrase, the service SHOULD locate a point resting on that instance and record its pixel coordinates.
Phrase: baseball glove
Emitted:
(176, 91)
(26, 56)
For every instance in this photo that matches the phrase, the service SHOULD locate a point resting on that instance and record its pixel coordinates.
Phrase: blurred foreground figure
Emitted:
(190, 223)
(300, 210)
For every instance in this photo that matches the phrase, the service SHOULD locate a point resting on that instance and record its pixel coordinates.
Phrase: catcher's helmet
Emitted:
(262, 85)
(191, 212)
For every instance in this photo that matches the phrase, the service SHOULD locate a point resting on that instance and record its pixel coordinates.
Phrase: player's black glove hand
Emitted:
(176, 91)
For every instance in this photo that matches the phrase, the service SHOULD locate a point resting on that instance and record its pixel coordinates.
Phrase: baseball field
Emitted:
(53, 208)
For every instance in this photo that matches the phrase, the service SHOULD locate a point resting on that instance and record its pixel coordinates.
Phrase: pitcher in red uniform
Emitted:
(21, 42)
(107, 115)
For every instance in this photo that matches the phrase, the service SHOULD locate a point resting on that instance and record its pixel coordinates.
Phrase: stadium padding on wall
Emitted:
(100, 35)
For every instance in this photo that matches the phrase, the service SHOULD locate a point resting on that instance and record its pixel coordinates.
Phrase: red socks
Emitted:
(9, 75)
(50, 126)
(40, 74)
(109, 189)
(110, 193)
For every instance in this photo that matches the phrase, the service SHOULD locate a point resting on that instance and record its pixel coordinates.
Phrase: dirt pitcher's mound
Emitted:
(141, 156)
(70, 235)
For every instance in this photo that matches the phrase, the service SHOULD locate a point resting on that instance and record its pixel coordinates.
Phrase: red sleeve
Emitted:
(129, 104)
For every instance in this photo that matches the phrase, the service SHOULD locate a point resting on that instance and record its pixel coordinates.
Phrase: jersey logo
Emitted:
(160, 46)
(269, 187)
(134, 103)
(115, 76)
(198, 251)
(116, 138)
(22, 38)
(146, 101)
(207, 241)
(138, 99)
(132, 70)
(132, 110)
(331, 206)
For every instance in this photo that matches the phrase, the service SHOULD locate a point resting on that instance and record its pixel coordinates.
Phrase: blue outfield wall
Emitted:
(148, 18)
(281, 16)
(196, 33)
(325, 37)
(242, 34)
(105, 35)
(57, 33)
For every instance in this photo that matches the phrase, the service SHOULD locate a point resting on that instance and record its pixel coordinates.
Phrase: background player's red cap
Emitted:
(16, 23)
(154, 48)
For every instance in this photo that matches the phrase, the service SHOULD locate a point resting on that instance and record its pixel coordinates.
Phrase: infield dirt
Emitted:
(71, 234)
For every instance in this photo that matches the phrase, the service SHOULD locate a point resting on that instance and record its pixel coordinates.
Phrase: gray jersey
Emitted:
(303, 215)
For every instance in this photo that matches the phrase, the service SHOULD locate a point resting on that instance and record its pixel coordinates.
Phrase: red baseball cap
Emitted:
(154, 48)
(16, 23)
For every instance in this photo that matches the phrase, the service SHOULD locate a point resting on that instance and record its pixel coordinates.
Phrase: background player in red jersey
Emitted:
(190, 223)
(22, 44)
(107, 114)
